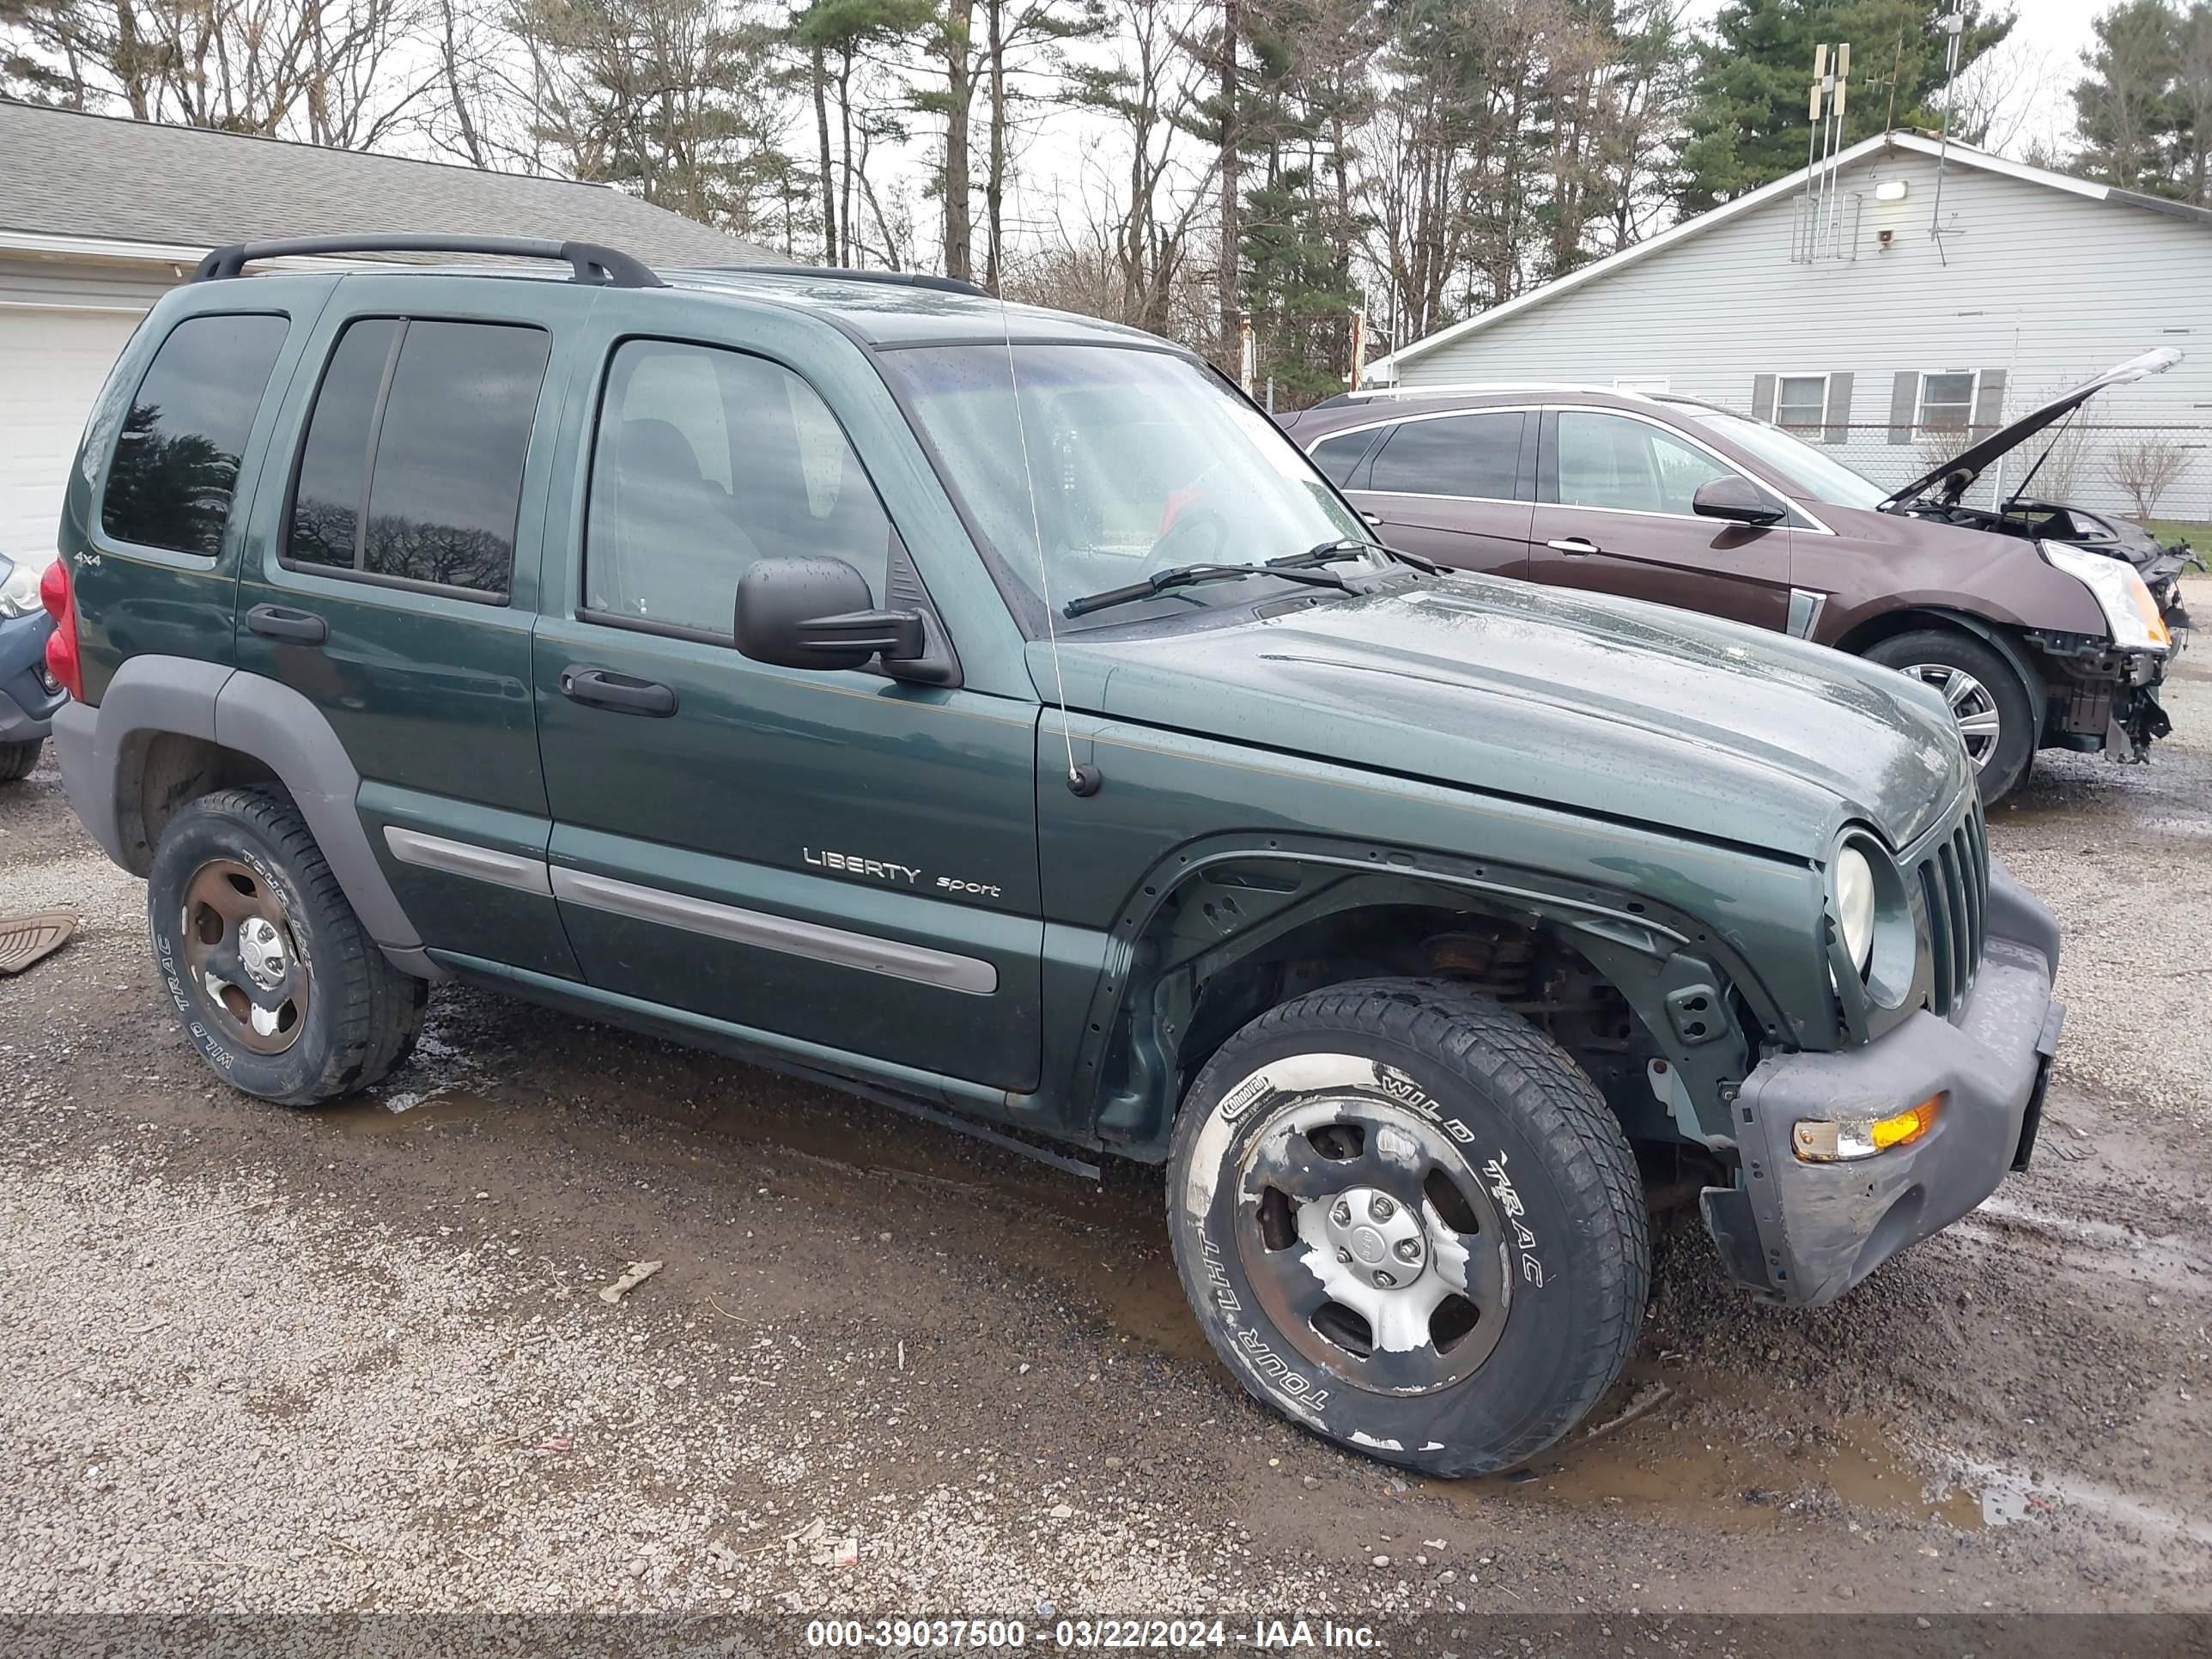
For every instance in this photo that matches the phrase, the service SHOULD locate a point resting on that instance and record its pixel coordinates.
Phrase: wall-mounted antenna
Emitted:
(1820, 208)
(1954, 25)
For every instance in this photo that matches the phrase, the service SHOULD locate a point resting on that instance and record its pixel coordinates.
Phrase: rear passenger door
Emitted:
(1456, 487)
(837, 860)
(392, 581)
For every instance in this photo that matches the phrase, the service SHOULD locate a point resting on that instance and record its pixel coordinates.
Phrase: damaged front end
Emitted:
(2101, 698)
(2104, 689)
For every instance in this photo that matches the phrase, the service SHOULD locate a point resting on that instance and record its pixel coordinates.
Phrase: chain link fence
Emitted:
(2133, 471)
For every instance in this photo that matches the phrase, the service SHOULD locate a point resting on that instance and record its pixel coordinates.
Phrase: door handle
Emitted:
(625, 694)
(1575, 546)
(1372, 517)
(280, 622)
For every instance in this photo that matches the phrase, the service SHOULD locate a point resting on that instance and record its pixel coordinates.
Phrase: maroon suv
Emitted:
(2034, 643)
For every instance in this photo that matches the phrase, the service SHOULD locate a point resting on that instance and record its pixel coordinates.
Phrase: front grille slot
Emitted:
(1955, 886)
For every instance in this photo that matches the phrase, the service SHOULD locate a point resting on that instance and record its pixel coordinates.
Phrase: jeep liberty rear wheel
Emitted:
(16, 759)
(1995, 719)
(1409, 1222)
(276, 982)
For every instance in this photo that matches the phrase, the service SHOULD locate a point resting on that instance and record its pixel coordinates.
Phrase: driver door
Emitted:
(1613, 514)
(837, 859)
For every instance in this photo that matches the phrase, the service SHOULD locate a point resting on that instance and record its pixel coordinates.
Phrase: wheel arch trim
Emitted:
(102, 747)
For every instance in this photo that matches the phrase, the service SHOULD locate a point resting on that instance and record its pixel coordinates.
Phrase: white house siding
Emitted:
(2048, 286)
(62, 325)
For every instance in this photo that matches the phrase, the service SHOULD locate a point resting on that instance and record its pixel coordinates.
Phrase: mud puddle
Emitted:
(1687, 1459)
(373, 1114)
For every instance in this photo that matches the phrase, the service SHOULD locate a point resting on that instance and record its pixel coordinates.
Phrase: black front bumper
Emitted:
(1804, 1233)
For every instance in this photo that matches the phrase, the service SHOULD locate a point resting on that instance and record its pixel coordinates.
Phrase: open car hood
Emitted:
(1951, 480)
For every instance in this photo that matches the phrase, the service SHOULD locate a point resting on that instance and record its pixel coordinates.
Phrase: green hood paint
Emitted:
(1621, 709)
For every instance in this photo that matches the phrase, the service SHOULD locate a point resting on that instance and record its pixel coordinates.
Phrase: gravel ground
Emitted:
(260, 1360)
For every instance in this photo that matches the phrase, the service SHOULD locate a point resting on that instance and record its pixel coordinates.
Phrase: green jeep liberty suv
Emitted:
(990, 710)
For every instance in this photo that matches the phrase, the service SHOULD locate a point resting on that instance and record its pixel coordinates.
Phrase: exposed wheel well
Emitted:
(1186, 999)
(1873, 631)
(161, 773)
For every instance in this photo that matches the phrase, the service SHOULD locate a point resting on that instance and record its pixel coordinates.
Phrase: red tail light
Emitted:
(61, 646)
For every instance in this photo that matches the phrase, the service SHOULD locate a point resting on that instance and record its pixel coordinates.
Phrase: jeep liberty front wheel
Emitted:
(1409, 1222)
(276, 982)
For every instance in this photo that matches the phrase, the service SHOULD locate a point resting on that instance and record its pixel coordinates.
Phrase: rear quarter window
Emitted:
(178, 452)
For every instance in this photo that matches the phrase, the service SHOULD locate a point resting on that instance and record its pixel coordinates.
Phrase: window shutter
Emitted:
(1839, 408)
(1989, 401)
(1904, 394)
(1762, 397)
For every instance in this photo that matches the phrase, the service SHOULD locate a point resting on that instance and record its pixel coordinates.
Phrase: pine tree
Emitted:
(1748, 120)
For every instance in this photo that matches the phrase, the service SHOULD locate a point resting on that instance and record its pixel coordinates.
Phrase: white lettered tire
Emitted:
(1407, 1221)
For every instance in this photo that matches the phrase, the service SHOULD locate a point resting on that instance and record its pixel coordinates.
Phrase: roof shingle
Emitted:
(65, 173)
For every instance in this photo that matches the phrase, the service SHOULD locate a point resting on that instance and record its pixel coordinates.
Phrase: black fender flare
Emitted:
(101, 747)
(1649, 952)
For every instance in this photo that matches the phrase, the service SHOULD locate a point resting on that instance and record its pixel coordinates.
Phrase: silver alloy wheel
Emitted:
(1971, 706)
(1371, 1244)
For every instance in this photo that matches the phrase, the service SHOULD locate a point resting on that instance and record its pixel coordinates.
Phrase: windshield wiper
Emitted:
(1191, 575)
(1344, 548)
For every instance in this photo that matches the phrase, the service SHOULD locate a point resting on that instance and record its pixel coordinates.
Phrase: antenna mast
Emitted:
(1954, 25)
(1820, 212)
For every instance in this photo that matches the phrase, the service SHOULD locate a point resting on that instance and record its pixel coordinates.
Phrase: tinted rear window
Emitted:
(1456, 455)
(177, 458)
(412, 470)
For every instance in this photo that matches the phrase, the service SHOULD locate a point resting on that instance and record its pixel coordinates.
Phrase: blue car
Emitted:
(28, 695)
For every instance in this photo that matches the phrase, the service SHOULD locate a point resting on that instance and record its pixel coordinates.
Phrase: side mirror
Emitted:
(818, 613)
(1736, 500)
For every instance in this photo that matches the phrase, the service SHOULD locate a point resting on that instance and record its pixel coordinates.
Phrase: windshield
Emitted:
(1138, 462)
(1821, 477)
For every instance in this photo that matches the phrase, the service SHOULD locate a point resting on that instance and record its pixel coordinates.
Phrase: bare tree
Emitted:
(343, 72)
(1147, 97)
(2144, 469)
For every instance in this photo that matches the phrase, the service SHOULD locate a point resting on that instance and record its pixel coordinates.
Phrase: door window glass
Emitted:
(176, 460)
(1337, 457)
(412, 468)
(706, 460)
(1615, 461)
(1458, 455)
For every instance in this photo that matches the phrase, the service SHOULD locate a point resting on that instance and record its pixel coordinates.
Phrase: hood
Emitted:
(1605, 706)
(1955, 476)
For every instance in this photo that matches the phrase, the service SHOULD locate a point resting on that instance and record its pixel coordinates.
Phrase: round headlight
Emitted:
(1855, 904)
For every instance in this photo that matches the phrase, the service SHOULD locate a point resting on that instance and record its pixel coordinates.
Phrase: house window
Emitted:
(1947, 401)
(1801, 402)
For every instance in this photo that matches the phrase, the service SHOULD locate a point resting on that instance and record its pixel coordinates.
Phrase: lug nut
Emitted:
(1341, 1214)
(1409, 1249)
(1344, 1255)
(1382, 1208)
(1384, 1279)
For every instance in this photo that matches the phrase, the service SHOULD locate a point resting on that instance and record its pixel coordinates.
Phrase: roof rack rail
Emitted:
(846, 273)
(591, 262)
